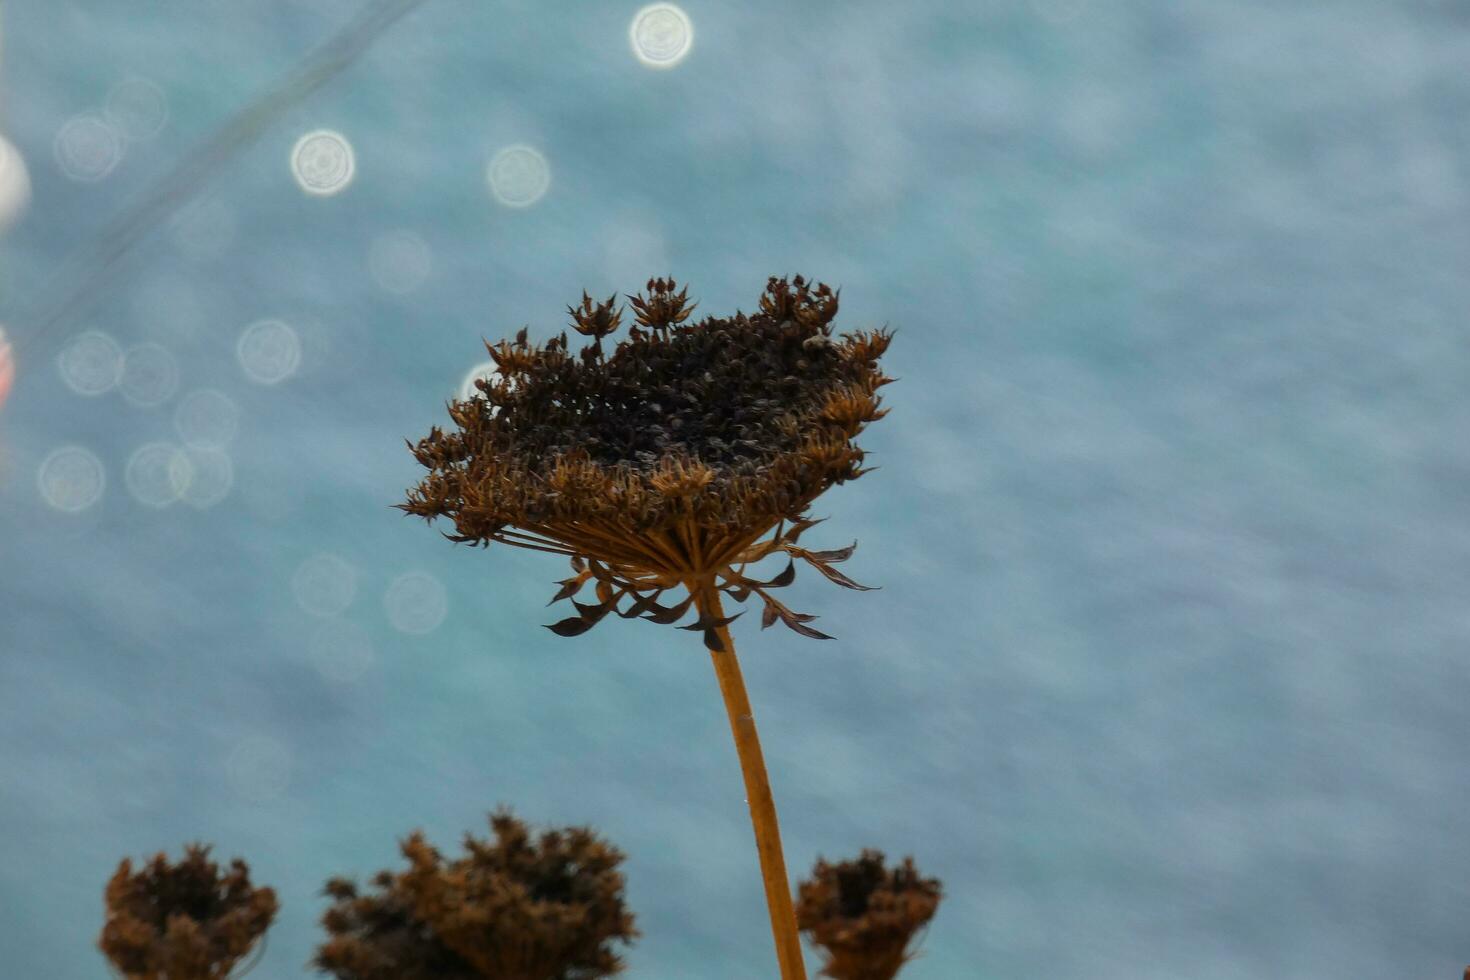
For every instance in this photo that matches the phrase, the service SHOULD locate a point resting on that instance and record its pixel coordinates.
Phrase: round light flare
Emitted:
(7, 367)
(518, 176)
(157, 474)
(136, 108)
(150, 376)
(661, 35)
(206, 419)
(92, 364)
(323, 163)
(269, 351)
(15, 184)
(480, 372)
(205, 477)
(416, 603)
(88, 148)
(71, 479)
(324, 585)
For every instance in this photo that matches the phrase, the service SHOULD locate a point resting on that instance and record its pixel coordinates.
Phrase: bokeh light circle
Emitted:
(153, 474)
(322, 162)
(399, 261)
(324, 584)
(150, 375)
(206, 477)
(518, 176)
(136, 108)
(71, 479)
(15, 184)
(661, 35)
(416, 602)
(206, 419)
(87, 148)
(269, 351)
(91, 364)
(480, 372)
(341, 651)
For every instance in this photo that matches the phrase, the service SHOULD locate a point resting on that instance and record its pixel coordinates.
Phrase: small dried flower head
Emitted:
(663, 308)
(514, 909)
(595, 321)
(863, 916)
(186, 921)
(662, 465)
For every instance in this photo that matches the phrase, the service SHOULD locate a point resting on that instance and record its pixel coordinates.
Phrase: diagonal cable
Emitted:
(92, 267)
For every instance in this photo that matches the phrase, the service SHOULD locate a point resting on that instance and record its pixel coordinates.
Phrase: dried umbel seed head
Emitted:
(863, 916)
(662, 465)
(186, 921)
(517, 908)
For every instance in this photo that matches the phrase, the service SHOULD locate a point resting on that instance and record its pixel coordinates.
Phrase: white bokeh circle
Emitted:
(155, 472)
(15, 184)
(323, 163)
(518, 176)
(206, 419)
(87, 148)
(416, 602)
(92, 364)
(661, 35)
(71, 479)
(324, 584)
(150, 375)
(269, 351)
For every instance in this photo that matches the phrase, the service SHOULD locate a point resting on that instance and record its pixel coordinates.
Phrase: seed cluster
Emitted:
(729, 420)
(863, 915)
(183, 920)
(514, 908)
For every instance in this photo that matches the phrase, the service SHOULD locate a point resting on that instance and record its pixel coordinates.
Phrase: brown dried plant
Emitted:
(863, 916)
(514, 909)
(185, 921)
(661, 467)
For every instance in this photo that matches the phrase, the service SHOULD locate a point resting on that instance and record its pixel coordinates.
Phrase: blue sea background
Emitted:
(1168, 674)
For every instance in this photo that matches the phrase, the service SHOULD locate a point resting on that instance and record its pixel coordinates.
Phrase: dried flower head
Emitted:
(515, 909)
(185, 921)
(662, 465)
(863, 916)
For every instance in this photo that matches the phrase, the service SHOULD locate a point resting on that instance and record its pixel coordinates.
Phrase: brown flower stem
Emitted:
(757, 791)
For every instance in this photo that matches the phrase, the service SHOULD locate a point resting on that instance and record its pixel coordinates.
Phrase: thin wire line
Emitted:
(93, 266)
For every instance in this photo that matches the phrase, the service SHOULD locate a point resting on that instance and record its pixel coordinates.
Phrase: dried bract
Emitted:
(185, 921)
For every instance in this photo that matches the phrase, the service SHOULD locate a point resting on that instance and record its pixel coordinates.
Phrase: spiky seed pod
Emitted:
(595, 321)
(668, 460)
(184, 920)
(863, 916)
(512, 909)
(663, 308)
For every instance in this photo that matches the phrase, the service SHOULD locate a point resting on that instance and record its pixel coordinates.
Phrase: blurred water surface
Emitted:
(1168, 672)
